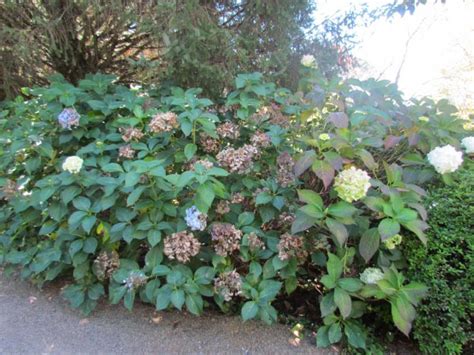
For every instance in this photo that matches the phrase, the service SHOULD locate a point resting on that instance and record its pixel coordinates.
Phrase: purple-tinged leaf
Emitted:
(304, 162)
(421, 210)
(324, 171)
(339, 119)
(367, 158)
(391, 141)
(334, 159)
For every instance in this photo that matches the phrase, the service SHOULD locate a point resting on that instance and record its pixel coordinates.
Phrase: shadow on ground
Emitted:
(40, 321)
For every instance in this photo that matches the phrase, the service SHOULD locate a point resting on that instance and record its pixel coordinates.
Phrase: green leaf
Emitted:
(90, 245)
(334, 266)
(190, 150)
(177, 298)
(417, 226)
(204, 197)
(69, 193)
(129, 299)
(154, 257)
(322, 338)
(135, 195)
(82, 203)
(75, 246)
(354, 335)
(263, 198)
(112, 168)
(414, 292)
(368, 159)
(249, 310)
(402, 324)
(350, 284)
(406, 215)
(341, 209)
(76, 217)
(327, 305)
(369, 244)
(194, 304)
(338, 230)
(245, 219)
(343, 302)
(163, 298)
(88, 222)
(131, 179)
(310, 197)
(154, 237)
(334, 333)
(388, 227)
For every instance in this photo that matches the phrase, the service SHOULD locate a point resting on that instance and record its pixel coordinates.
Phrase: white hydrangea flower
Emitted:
(392, 242)
(371, 275)
(352, 184)
(195, 219)
(308, 60)
(468, 143)
(73, 164)
(445, 159)
(324, 137)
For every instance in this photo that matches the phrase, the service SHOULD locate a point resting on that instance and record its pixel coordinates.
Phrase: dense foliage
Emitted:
(446, 267)
(164, 196)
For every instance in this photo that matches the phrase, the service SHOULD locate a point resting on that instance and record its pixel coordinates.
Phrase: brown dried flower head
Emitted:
(255, 243)
(223, 207)
(237, 198)
(163, 122)
(131, 133)
(285, 174)
(204, 162)
(105, 264)
(291, 246)
(260, 139)
(226, 238)
(238, 160)
(209, 144)
(126, 152)
(283, 221)
(228, 285)
(9, 190)
(228, 130)
(181, 246)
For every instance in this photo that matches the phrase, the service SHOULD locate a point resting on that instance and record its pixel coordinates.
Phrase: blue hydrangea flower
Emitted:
(195, 219)
(68, 118)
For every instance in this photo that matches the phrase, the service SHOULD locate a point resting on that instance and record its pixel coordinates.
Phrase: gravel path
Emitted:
(41, 322)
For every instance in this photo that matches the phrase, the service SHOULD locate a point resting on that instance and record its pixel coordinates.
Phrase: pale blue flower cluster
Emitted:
(68, 118)
(195, 219)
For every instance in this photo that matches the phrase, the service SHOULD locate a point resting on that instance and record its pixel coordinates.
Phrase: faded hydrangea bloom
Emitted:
(283, 221)
(181, 246)
(371, 275)
(105, 264)
(445, 159)
(69, 118)
(255, 243)
(223, 207)
(204, 162)
(163, 122)
(237, 198)
(352, 184)
(195, 219)
(226, 238)
(308, 60)
(135, 279)
(260, 139)
(392, 242)
(237, 160)
(228, 285)
(468, 144)
(10, 189)
(131, 133)
(208, 144)
(73, 164)
(285, 174)
(126, 152)
(291, 246)
(228, 130)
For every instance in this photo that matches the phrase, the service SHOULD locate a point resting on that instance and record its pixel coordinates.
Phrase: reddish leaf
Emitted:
(334, 159)
(304, 162)
(339, 119)
(324, 171)
(391, 141)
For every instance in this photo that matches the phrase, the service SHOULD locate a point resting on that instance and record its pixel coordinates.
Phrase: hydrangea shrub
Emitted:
(168, 197)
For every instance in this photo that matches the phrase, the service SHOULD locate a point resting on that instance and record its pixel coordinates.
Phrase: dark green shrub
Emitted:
(443, 325)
